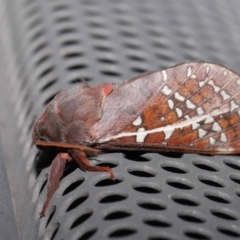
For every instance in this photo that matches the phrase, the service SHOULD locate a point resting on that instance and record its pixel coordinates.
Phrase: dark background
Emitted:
(46, 46)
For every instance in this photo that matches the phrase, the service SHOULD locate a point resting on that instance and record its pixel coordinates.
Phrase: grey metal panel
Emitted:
(8, 228)
(156, 196)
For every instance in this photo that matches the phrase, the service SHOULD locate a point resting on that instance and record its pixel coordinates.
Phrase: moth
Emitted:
(189, 108)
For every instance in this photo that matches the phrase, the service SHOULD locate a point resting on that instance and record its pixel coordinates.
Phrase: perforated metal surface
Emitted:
(48, 45)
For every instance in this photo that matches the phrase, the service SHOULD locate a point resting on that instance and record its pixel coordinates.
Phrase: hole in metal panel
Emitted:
(180, 183)
(152, 204)
(73, 54)
(107, 60)
(185, 199)
(76, 67)
(197, 235)
(237, 192)
(73, 186)
(66, 31)
(230, 231)
(205, 164)
(111, 165)
(49, 99)
(81, 219)
(78, 201)
(171, 155)
(69, 168)
(224, 213)
(144, 171)
(132, 45)
(191, 216)
(70, 42)
(113, 197)
(122, 232)
(146, 187)
(157, 222)
(88, 234)
(217, 196)
(56, 226)
(42, 187)
(103, 48)
(99, 36)
(211, 180)
(48, 85)
(38, 34)
(42, 59)
(111, 73)
(137, 157)
(232, 163)
(107, 182)
(235, 177)
(39, 47)
(138, 70)
(117, 215)
(46, 71)
(53, 210)
(174, 167)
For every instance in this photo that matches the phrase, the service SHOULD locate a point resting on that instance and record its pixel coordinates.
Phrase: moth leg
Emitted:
(56, 172)
(83, 162)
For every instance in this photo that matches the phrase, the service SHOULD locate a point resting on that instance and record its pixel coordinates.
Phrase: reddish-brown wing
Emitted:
(191, 107)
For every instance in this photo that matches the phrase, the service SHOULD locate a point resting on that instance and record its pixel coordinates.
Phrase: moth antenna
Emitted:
(67, 146)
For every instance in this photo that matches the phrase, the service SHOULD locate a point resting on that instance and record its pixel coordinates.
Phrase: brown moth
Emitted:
(190, 108)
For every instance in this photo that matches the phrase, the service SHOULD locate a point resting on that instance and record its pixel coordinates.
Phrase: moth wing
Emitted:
(194, 107)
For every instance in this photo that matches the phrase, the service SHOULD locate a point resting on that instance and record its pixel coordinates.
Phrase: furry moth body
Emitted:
(191, 107)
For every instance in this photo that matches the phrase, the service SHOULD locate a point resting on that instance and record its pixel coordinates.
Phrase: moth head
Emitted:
(70, 115)
(44, 128)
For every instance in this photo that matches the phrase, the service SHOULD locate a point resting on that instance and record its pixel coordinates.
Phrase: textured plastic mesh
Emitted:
(154, 196)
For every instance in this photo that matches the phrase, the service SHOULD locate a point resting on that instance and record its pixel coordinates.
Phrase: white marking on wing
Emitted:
(166, 90)
(190, 104)
(164, 72)
(193, 76)
(216, 88)
(216, 127)
(217, 112)
(212, 140)
(223, 137)
(200, 111)
(210, 119)
(233, 105)
(168, 133)
(202, 83)
(207, 69)
(179, 97)
(201, 133)
(224, 95)
(195, 125)
(170, 103)
(179, 112)
(137, 121)
(167, 128)
(238, 81)
(141, 134)
(189, 71)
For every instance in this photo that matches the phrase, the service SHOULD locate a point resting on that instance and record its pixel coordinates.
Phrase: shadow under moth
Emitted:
(189, 108)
